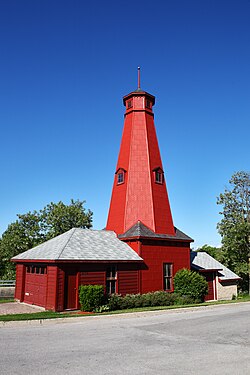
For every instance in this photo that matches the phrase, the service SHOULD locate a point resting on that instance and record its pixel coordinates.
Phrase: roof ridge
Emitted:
(73, 231)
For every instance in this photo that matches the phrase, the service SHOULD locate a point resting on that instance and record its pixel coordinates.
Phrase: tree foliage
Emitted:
(234, 227)
(35, 227)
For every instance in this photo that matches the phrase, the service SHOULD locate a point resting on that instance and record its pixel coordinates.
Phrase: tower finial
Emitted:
(139, 78)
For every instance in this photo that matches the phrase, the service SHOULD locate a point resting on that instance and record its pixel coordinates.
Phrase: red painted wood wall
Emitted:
(20, 282)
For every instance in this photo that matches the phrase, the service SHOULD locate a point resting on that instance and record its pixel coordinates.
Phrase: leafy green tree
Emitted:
(57, 218)
(33, 228)
(235, 225)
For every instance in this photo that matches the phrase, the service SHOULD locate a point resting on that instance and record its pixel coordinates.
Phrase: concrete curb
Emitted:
(139, 314)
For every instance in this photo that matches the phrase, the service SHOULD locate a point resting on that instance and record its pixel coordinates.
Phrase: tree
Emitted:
(33, 228)
(235, 225)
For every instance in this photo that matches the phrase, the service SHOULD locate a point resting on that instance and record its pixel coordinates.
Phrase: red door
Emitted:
(36, 286)
(210, 279)
(71, 290)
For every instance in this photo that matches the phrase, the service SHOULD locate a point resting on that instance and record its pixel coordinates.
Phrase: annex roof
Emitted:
(84, 245)
(203, 261)
(141, 230)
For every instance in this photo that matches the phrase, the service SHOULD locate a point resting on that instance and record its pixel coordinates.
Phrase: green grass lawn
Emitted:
(53, 315)
(7, 300)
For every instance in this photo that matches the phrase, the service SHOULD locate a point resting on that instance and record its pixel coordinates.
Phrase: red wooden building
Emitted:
(140, 250)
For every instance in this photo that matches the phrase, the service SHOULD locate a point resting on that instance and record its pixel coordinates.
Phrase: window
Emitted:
(111, 278)
(120, 173)
(148, 103)
(168, 276)
(120, 177)
(42, 270)
(159, 177)
(129, 104)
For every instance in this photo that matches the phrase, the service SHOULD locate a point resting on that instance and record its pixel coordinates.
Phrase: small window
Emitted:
(120, 177)
(159, 177)
(168, 276)
(148, 103)
(129, 104)
(28, 269)
(111, 278)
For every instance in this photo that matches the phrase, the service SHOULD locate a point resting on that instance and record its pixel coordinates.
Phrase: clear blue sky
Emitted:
(65, 66)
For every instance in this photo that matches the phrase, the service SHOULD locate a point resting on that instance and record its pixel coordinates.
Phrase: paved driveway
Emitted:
(18, 308)
(208, 340)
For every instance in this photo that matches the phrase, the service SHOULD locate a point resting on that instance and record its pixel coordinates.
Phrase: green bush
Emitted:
(130, 301)
(190, 284)
(91, 297)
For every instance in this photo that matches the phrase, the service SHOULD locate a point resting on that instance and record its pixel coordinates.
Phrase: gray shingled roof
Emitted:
(203, 261)
(141, 230)
(82, 244)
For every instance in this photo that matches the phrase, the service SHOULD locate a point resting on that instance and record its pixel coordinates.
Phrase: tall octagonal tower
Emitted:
(139, 210)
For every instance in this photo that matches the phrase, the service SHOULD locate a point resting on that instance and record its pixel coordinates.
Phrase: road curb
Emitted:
(139, 314)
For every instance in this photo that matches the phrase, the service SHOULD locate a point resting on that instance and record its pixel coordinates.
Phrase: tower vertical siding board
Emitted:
(162, 211)
(118, 200)
(20, 282)
(51, 288)
(154, 258)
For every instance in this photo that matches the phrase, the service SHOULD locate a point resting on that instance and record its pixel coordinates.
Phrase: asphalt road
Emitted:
(213, 340)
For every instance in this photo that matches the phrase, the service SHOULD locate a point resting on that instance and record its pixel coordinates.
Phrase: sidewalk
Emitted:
(18, 308)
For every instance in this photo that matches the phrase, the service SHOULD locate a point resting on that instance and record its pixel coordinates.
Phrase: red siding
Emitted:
(51, 288)
(93, 278)
(20, 282)
(60, 290)
(154, 255)
(128, 282)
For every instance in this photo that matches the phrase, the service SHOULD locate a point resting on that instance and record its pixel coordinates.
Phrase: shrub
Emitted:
(130, 301)
(114, 302)
(91, 297)
(190, 284)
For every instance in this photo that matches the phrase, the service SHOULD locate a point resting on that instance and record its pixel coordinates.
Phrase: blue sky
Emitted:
(65, 66)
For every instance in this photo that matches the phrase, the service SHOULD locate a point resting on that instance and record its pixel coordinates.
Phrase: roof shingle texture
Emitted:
(141, 230)
(201, 260)
(82, 244)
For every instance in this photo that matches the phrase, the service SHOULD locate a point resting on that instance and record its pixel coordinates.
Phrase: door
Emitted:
(210, 280)
(71, 290)
(36, 285)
